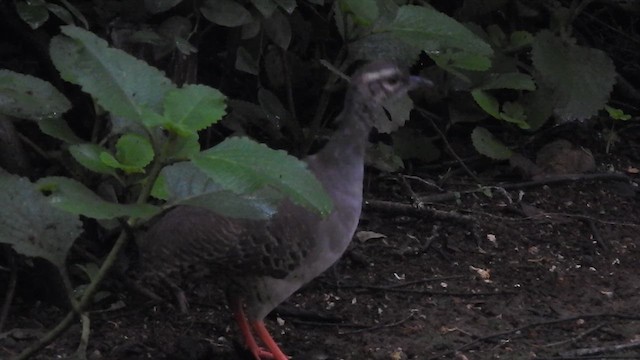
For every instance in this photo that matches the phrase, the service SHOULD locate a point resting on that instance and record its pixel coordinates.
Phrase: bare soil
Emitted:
(542, 272)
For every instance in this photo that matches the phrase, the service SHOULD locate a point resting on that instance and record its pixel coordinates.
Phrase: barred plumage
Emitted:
(269, 260)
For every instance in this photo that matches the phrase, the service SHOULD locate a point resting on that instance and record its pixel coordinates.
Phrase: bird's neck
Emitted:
(340, 164)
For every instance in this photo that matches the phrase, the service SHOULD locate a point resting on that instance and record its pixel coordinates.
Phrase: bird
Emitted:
(266, 261)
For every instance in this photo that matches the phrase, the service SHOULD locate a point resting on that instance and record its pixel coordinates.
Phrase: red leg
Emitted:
(266, 338)
(245, 329)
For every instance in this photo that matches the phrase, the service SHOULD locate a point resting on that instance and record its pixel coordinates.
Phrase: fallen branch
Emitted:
(575, 338)
(549, 180)
(378, 327)
(528, 326)
(406, 209)
(602, 349)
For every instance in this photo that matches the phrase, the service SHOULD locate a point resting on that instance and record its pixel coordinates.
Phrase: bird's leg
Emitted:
(266, 338)
(257, 352)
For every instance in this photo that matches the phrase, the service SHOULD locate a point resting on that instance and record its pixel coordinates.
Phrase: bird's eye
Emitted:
(393, 81)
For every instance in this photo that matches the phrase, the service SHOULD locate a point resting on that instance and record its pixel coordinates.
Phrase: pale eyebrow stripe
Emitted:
(384, 73)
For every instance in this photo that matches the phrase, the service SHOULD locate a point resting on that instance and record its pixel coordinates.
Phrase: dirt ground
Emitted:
(535, 272)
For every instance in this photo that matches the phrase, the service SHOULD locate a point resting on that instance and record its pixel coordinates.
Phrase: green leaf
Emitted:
(496, 35)
(78, 15)
(538, 107)
(251, 30)
(59, 129)
(287, 5)
(133, 153)
(582, 78)
(109, 160)
(27, 97)
(271, 107)
(226, 13)
(88, 155)
(134, 150)
(62, 13)
(31, 225)
(616, 114)
(520, 39)
(194, 107)
(513, 112)
(461, 60)
(412, 144)
(246, 62)
(148, 36)
(244, 166)
(185, 184)
(487, 145)
(514, 80)
(184, 46)
(73, 197)
(33, 12)
(383, 46)
(266, 7)
(487, 102)
(159, 6)
(120, 83)
(382, 157)
(160, 189)
(278, 29)
(150, 119)
(364, 12)
(184, 147)
(398, 110)
(433, 31)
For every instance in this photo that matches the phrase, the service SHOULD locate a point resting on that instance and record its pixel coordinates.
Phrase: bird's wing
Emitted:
(196, 237)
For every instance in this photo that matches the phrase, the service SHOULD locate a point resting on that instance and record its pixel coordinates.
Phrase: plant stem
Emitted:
(11, 289)
(48, 337)
(102, 273)
(97, 280)
(81, 352)
(323, 103)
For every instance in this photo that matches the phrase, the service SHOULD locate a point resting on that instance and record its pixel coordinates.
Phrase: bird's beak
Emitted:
(418, 82)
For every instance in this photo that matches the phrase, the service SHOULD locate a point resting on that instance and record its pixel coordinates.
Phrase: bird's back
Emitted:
(189, 238)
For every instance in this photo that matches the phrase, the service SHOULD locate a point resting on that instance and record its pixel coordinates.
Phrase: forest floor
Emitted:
(544, 271)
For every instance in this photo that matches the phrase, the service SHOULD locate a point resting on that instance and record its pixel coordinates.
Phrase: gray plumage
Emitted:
(268, 260)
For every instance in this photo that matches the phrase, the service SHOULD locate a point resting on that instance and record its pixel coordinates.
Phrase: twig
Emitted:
(546, 215)
(48, 337)
(575, 338)
(430, 116)
(81, 352)
(438, 293)
(415, 199)
(84, 302)
(398, 285)
(423, 181)
(602, 349)
(527, 326)
(400, 208)
(378, 327)
(397, 288)
(549, 180)
(323, 102)
(558, 179)
(606, 246)
(37, 149)
(11, 289)
(293, 122)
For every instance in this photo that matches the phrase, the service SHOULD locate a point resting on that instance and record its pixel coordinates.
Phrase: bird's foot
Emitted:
(262, 354)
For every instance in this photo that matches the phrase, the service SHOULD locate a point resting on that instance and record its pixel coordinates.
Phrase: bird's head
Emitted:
(378, 82)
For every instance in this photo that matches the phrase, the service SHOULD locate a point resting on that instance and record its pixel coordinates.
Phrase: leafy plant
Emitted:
(503, 76)
(161, 124)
